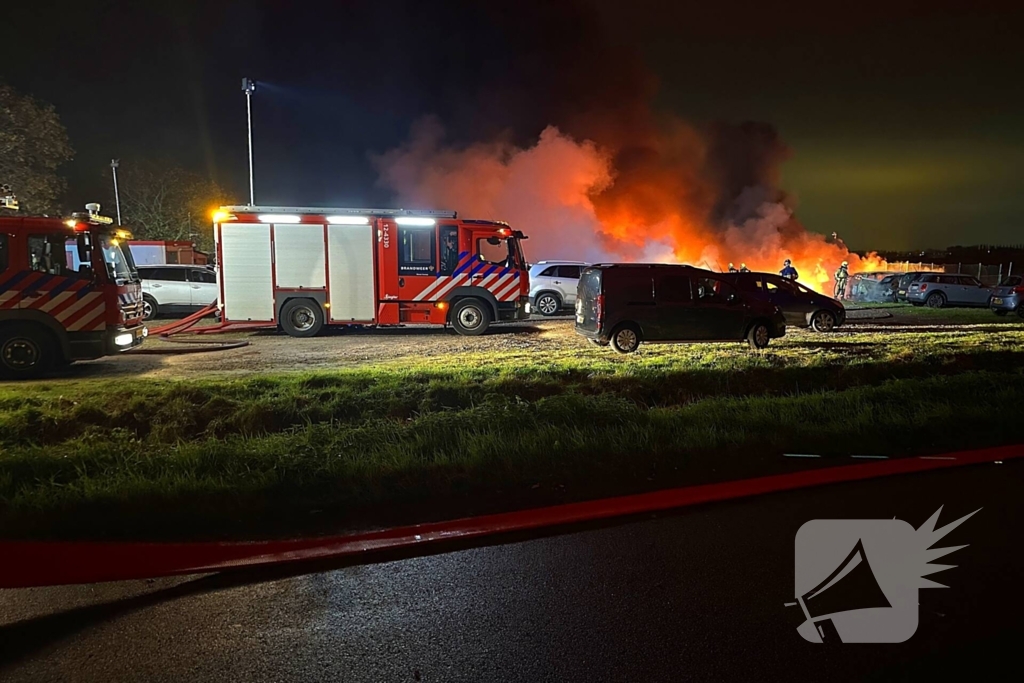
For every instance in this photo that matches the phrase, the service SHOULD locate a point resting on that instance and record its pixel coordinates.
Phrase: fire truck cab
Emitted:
(304, 268)
(52, 313)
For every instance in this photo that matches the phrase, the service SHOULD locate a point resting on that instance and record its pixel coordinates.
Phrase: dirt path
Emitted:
(276, 352)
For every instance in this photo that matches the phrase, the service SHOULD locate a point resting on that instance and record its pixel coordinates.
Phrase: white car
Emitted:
(553, 285)
(170, 288)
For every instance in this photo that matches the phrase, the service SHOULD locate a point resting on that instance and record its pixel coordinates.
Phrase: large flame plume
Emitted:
(707, 198)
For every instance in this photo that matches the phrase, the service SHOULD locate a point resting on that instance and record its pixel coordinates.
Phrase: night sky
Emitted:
(905, 119)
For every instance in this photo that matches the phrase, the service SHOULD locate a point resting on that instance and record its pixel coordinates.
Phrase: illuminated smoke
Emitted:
(708, 198)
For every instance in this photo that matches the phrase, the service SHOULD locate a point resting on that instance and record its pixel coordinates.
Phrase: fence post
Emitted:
(1000, 274)
(979, 271)
(1009, 271)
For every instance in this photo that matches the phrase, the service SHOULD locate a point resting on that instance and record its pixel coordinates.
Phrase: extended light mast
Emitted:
(249, 87)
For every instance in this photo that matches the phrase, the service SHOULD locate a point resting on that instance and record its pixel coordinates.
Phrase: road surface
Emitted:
(695, 595)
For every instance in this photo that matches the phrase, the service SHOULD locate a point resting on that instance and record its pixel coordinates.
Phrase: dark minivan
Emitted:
(623, 304)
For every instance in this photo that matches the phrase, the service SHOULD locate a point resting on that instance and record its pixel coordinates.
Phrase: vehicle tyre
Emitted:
(759, 335)
(150, 309)
(936, 300)
(1001, 313)
(626, 338)
(302, 318)
(548, 304)
(598, 342)
(26, 351)
(823, 321)
(470, 317)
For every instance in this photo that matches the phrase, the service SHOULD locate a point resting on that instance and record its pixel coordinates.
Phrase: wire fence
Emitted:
(987, 274)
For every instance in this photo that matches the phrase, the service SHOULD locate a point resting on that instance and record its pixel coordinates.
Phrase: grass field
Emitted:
(419, 438)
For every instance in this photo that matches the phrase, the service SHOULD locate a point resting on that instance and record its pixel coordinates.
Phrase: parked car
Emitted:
(801, 306)
(948, 289)
(1008, 296)
(625, 304)
(553, 285)
(170, 289)
(904, 284)
(867, 287)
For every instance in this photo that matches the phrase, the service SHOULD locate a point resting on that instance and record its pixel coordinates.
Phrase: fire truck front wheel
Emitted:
(302, 318)
(26, 351)
(470, 317)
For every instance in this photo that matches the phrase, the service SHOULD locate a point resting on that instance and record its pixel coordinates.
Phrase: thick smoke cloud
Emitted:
(610, 178)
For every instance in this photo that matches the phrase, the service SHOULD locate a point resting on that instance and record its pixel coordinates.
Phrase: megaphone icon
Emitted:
(851, 586)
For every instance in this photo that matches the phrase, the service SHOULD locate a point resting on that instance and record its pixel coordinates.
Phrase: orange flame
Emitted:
(654, 201)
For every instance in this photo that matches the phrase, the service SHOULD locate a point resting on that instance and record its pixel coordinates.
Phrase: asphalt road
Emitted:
(694, 596)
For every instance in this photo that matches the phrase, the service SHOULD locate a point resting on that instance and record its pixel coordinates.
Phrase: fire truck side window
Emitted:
(47, 254)
(4, 258)
(449, 249)
(494, 250)
(416, 251)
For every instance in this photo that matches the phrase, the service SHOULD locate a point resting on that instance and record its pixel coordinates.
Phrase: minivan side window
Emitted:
(169, 274)
(202, 275)
(569, 272)
(673, 289)
(709, 290)
(549, 271)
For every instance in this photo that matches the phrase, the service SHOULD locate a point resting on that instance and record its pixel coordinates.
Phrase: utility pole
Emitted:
(249, 87)
(117, 199)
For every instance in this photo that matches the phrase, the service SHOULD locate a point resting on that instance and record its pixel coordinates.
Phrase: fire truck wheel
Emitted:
(149, 307)
(26, 351)
(470, 317)
(302, 318)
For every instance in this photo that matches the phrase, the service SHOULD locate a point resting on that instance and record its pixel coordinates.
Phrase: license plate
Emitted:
(997, 301)
(579, 318)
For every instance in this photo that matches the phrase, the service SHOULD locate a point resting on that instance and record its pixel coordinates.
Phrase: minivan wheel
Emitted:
(823, 321)
(626, 339)
(936, 300)
(548, 304)
(759, 336)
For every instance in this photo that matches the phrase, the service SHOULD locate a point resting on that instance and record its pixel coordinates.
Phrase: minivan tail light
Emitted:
(599, 309)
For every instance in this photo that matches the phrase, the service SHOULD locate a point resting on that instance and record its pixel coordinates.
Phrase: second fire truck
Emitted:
(52, 313)
(305, 268)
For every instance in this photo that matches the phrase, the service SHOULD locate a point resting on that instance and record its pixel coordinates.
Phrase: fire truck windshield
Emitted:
(503, 251)
(118, 258)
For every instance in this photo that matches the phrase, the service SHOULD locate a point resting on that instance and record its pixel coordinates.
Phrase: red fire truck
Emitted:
(304, 268)
(52, 314)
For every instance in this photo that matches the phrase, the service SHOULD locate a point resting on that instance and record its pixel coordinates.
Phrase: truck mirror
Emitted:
(493, 241)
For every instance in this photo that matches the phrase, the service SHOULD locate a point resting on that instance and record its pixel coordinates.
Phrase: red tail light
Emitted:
(1018, 290)
(924, 286)
(599, 309)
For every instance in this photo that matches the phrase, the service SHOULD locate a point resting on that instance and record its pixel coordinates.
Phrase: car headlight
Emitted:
(124, 339)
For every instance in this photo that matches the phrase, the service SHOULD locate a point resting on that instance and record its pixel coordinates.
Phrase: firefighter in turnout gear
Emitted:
(732, 268)
(842, 275)
(788, 271)
(743, 268)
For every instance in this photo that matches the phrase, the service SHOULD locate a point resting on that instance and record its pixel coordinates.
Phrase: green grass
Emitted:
(137, 454)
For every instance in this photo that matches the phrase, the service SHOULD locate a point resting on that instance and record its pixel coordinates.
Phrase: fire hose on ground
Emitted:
(184, 326)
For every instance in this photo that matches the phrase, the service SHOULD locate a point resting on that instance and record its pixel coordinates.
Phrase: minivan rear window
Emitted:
(590, 283)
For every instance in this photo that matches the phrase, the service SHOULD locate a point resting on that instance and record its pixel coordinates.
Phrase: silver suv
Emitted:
(948, 289)
(553, 285)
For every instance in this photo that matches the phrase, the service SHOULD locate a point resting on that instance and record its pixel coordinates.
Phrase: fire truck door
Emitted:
(417, 260)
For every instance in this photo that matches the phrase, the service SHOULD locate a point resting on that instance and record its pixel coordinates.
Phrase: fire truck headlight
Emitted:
(123, 339)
